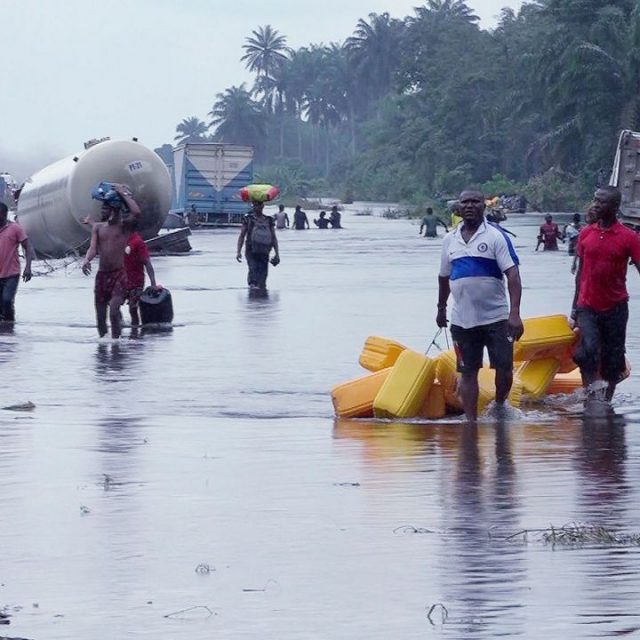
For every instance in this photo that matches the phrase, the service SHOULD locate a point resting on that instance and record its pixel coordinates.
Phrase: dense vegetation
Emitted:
(407, 108)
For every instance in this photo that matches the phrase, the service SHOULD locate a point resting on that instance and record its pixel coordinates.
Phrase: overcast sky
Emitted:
(79, 69)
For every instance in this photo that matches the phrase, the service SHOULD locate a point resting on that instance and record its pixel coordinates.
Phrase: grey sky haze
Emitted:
(80, 69)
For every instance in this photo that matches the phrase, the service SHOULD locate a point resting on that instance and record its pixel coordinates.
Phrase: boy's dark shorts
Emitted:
(469, 345)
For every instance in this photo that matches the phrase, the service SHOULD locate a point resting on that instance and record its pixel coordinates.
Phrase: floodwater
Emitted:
(194, 484)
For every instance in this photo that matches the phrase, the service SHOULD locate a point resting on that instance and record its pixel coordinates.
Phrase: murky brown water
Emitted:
(215, 445)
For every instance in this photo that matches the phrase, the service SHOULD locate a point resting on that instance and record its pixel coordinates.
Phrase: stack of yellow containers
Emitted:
(407, 384)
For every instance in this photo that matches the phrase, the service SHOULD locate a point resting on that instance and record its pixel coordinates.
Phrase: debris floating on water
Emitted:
(203, 568)
(577, 534)
(199, 610)
(23, 406)
(444, 613)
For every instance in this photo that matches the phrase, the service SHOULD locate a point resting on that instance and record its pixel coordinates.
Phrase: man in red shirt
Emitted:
(600, 302)
(11, 236)
(136, 260)
(549, 234)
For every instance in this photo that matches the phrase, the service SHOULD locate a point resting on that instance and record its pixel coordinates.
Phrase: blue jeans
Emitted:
(8, 289)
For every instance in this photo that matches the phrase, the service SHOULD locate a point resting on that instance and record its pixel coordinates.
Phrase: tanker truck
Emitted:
(55, 201)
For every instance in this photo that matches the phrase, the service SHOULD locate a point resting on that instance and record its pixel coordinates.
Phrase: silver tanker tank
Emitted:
(54, 201)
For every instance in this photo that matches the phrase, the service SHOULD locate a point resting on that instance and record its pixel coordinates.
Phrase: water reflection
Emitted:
(600, 460)
(482, 580)
(111, 359)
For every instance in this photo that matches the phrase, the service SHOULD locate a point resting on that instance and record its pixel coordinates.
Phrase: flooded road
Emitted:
(194, 484)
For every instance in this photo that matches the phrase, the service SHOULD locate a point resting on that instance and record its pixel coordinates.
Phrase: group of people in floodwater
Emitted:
(300, 220)
(123, 259)
(550, 233)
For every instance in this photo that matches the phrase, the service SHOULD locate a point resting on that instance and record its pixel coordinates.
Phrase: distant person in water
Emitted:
(334, 218)
(300, 220)
(430, 224)
(109, 240)
(549, 235)
(571, 232)
(322, 222)
(282, 219)
(590, 217)
(12, 235)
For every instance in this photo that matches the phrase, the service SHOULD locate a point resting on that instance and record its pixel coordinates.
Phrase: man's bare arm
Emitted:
(92, 252)
(126, 195)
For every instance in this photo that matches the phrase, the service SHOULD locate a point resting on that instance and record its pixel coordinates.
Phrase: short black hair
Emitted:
(4, 210)
(614, 192)
(474, 189)
(429, 210)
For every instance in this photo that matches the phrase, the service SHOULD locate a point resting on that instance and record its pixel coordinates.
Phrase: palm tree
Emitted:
(447, 10)
(191, 130)
(265, 51)
(237, 118)
(375, 52)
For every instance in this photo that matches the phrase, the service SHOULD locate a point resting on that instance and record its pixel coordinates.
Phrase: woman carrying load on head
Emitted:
(258, 235)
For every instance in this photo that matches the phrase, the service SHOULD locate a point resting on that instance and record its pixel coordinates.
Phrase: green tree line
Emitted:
(407, 108)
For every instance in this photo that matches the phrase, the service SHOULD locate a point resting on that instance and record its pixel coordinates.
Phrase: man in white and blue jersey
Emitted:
(476, 256)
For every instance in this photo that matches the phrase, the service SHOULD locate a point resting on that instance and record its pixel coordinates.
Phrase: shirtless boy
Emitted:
(109, 240)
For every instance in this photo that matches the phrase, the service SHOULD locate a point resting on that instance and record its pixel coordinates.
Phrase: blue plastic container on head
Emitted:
(105, 192)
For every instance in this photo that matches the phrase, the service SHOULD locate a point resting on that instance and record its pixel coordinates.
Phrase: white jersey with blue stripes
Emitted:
(475, 270)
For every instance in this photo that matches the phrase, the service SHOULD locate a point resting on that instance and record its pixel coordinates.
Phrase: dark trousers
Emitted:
(602, 341)
(8, 289)
(258, 269)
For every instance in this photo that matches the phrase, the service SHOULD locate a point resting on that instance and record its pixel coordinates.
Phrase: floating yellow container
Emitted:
(354, 399)
(565, 383)
(567, 365)
(379, 353)
(404, 391)
(544, 337)
(434, 406)
(536, 376)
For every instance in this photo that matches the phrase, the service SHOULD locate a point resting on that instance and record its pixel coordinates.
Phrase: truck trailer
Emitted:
(625, 175)
(207, 178)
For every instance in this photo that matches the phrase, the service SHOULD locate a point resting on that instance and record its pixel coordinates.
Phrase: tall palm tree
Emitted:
(447, 10)
(264, 51)
(191, 130)
(375, 51)
(237, 118)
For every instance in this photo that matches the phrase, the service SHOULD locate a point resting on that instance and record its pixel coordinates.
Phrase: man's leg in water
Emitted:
(469, 347)
(504, 382)
(613, 331)
(116, 319)
(587, 355)
(135, 316)
(500, 349)
(468, 391)
(8, 296)
(101, 318)
(115, 316)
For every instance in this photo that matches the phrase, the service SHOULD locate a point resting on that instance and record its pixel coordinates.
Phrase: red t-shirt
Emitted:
(604, 257)
(11, 235)
(135, 255)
